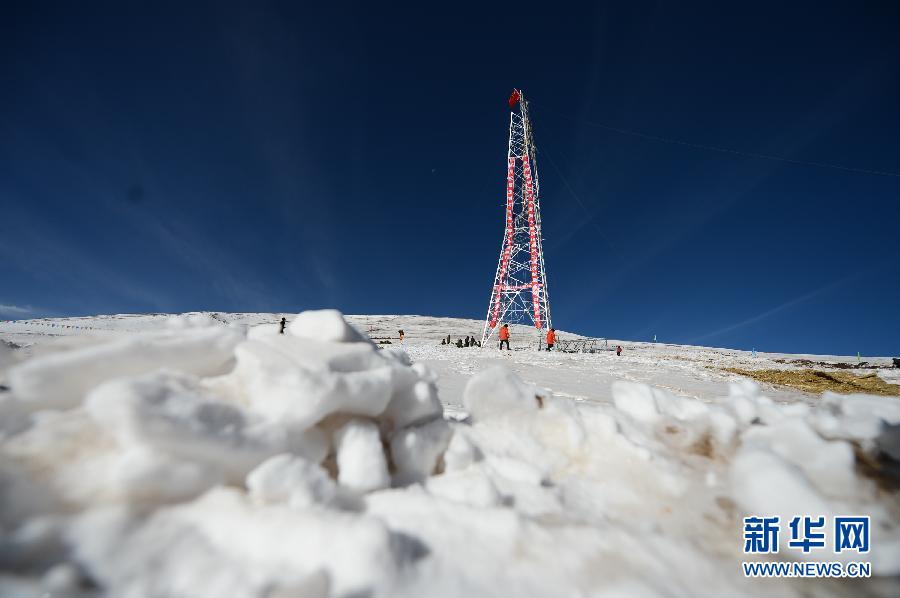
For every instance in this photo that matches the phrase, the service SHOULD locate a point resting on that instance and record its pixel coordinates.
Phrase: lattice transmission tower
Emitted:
(519, 294)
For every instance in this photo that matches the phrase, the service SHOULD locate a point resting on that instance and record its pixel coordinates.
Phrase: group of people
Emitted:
(551, 339)
(468, 342)
(504, 337)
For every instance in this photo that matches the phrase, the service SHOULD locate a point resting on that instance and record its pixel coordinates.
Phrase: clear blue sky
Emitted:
(278, 157)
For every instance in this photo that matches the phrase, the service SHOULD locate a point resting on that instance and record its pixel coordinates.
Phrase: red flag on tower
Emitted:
(514, 98)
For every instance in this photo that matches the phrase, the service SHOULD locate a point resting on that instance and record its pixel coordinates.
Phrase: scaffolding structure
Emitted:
(519, 294)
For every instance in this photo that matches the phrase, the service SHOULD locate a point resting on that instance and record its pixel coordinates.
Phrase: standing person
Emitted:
(448, 339)
(618, 350)
(281, 326)
(466, 342)
(551, 338)
(401, 337)
(504, 337)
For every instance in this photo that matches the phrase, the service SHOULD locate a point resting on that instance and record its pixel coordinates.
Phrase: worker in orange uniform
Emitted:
(504, 336)
(551, 338)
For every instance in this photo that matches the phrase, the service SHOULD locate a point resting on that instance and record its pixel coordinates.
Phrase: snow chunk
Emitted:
(283, 387)
(635, 399)
(472, 487)
(497, 391)
(424, 372)
(743, 387)
(862, 428)
(60, 380)
(415, 404)
(80, 463)
(756, 473)
(830, 465)
(461, 452)
(165, 412)
(322, 355)
(742, 399)
(292, 480)
(396, 355)
(723, 428)
(360, 456)
(267, 550)
(416, 450)
(515, 470)
(325, 325)
(743, 408)
(647, 404)
(770, 413)
(142, 476)
(858, 405)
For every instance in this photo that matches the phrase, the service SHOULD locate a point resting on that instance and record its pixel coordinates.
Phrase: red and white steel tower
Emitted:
(519, 294)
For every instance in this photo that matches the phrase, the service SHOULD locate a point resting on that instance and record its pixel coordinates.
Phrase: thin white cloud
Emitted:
(59, 260)
(762, 316)
(14, 310)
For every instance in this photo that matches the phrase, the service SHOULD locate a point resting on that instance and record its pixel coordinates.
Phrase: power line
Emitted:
(725, 150)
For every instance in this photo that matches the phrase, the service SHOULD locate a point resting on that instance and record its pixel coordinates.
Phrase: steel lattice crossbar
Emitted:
(519, 294)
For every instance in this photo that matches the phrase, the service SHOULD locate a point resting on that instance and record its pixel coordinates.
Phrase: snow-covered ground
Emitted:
(207, 455)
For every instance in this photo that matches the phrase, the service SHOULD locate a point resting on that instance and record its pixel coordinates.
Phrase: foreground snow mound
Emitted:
(224, 545)
(312, 463)
(135, 459)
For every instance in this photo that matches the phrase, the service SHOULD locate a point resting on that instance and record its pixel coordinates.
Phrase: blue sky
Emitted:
(284, 156)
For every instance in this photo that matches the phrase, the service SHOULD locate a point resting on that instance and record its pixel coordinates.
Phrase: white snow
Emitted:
(291, 480)
(416, 449)
(325, 325)
(414, 403)
(59, 380)
(497, 391)
(360, 459)
(208, 455)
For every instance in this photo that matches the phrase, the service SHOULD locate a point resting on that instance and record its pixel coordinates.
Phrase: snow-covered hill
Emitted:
(208, 455)
(687, 370)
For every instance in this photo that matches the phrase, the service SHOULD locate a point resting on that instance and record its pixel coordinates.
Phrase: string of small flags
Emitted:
(53, 325)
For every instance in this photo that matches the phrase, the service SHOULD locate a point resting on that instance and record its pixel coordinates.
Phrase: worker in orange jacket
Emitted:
(551, 338)
(504, 336)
